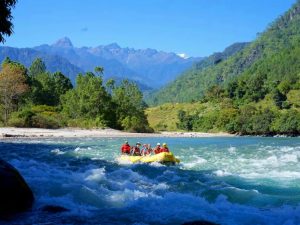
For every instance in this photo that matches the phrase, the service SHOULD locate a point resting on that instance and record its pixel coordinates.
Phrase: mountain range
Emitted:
(53, 62)
(146, 66)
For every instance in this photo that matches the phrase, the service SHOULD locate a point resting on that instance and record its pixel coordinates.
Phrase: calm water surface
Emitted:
(236, 180)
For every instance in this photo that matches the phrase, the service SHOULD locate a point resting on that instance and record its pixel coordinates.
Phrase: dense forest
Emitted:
(254, 91)
(34, 97)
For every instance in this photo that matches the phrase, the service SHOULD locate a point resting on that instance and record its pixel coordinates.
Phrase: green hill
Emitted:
(274, 53)
(255, 91)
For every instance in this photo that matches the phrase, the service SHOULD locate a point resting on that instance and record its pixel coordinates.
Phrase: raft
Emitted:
(163, 157)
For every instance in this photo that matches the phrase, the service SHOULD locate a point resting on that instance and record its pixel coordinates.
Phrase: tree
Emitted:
(99, 70)
(130, 107)
(12, 87)
(110, 85)
(6, 26)
(89, 100)
(46, 88)
(61, 85)
(43, 90)
(278, 98)
(186, 122)
(288, 122)
(37, 67)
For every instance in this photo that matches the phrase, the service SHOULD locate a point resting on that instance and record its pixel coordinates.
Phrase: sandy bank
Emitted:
(11, 132)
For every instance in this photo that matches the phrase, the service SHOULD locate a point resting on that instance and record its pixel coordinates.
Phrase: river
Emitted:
(228, 180)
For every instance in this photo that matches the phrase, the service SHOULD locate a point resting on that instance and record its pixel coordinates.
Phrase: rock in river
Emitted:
(15, 194)
(199, 222)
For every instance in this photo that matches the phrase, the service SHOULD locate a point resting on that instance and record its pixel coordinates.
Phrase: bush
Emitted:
(42, 121)
(16, 122)
(136, 124)
(206, 122)
(21, 119)
(161, 126)
(288, 123)
(225, 117)
(44, 108)
(98, 122)
(294, 98)
(243, 124)
(261, 122)
(186, 122)
(37, 116)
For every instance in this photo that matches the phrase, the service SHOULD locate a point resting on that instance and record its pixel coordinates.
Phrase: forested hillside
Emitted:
(188, 81)
(274, 53)
(255, 91)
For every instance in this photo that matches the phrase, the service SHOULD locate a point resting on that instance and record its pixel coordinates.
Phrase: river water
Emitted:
(234, 180)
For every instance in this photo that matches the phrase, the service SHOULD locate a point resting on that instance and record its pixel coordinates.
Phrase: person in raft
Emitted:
(157, 148)
(146, 149)
(136, 149)
(125, 149)
(164, 148)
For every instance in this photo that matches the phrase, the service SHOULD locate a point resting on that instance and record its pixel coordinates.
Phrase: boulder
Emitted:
(54, 209)
(199, 222)
(15, 194)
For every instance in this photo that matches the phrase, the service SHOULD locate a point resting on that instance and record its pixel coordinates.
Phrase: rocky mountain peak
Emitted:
(113, 46)
(64, 42)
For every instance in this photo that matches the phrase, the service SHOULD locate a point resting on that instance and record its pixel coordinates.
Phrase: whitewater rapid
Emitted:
(236, 180)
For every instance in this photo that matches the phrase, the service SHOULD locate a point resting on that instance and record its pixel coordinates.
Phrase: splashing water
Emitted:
(240, 180)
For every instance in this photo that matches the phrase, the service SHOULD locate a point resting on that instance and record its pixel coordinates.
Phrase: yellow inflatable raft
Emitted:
(164, 157)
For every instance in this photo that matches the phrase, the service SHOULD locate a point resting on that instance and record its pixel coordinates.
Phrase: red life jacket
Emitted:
(125, 149)
(157, 150)
(166, 149)
(148, 152)
(136, 151)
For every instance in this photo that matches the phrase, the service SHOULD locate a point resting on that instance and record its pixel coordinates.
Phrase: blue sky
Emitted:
(194, 27)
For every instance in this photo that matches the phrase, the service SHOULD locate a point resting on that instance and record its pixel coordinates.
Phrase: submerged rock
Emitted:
(15, 194)
(199, 222)
(54, 209)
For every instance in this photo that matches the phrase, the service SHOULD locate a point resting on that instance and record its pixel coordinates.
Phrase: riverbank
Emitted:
(12, 132)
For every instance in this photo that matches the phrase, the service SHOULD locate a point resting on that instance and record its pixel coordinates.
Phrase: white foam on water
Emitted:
(157, 164)
(77, 149)
(288, 149)
(194, 163)
(289, 158)
(161, 186)
(125, 197)
(175, 208)
(57, 151)
(232, 150)
(95, 175)
(221, 173)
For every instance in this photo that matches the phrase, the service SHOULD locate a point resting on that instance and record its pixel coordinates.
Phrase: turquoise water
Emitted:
(236, 180)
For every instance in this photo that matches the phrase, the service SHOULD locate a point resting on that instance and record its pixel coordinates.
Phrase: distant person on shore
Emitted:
(125, 149)
(157, 148)
(136, 149)
(146, 149)
(164, 148)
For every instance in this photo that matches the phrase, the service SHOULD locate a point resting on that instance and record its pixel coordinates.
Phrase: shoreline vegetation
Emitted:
(34, 97)
(13, 132)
